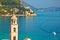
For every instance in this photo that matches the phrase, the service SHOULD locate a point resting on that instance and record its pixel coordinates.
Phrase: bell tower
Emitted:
(13, 28)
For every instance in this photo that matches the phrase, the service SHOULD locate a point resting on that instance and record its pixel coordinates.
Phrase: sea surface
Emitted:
(40, 27)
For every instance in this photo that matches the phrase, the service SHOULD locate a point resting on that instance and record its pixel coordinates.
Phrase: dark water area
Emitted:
(39, 27)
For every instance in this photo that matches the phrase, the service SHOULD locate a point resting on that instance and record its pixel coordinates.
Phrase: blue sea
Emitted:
(38, 27)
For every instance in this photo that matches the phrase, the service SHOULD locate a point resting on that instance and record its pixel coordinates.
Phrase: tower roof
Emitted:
(13, 16)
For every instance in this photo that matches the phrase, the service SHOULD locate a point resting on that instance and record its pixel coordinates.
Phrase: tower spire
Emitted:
(13, 19)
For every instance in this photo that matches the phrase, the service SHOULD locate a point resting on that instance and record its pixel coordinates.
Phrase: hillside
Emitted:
(13, 6)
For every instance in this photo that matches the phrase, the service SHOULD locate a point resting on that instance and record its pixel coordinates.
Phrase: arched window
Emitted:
(14, 38)
(14, 21)
(14, 29)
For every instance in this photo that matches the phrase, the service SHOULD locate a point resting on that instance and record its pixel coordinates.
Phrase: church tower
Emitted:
(13, 28)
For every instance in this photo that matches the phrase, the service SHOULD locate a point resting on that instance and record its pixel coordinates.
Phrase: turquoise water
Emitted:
(39, 27)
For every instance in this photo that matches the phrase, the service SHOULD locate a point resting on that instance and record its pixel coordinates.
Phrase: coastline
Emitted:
(19, 15)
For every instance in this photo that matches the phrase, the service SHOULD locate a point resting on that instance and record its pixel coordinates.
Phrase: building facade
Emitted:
(13, 28)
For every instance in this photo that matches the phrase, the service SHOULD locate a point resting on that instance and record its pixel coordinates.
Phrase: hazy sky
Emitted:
(43, 3)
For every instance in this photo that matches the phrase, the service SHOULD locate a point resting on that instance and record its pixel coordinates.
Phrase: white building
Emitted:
(27, 7)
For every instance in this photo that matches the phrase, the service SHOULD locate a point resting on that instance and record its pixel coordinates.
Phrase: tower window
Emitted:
(14, 38)
(14, 21)
(14, 29)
